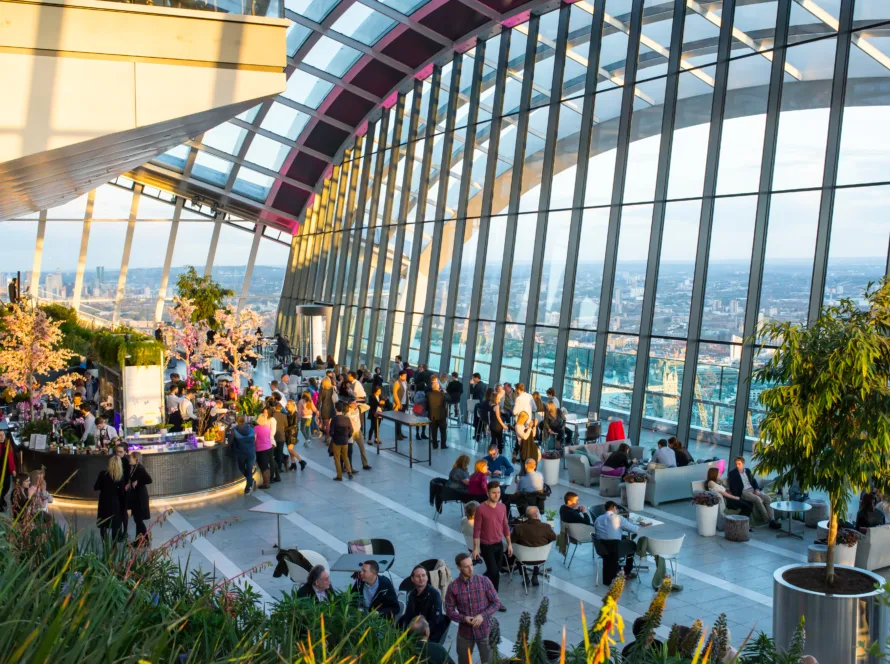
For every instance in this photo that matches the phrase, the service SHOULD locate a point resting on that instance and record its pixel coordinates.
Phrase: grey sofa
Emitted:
(668, 484)
(579, 468)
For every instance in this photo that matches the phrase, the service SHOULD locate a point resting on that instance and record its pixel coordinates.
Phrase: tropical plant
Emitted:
(250, 404)
(826, 426)
(206, 294)
(706, 498)
(30, 350)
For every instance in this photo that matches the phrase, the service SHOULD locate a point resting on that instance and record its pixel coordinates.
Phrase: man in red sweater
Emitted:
(490, 529)
(7, 467)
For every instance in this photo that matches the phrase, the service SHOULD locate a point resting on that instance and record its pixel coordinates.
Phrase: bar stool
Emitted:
(454, 415)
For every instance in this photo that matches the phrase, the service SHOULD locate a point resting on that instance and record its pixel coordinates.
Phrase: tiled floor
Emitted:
(392, 502)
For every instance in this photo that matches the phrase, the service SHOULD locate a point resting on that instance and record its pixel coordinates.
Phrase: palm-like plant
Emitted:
(826, 424)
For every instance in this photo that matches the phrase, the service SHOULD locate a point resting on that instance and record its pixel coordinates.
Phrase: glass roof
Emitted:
(331, 56)
(284, 121)
(306, 89)
(315, 10)
(363, 24)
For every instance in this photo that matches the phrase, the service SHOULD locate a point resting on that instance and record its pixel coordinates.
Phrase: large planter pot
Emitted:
(839, 628)
(636, 496)
(706, 519)
(550, 471)
(845, 555)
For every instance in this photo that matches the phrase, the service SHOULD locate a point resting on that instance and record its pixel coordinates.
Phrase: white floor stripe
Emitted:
(728, 586)
(217, 557)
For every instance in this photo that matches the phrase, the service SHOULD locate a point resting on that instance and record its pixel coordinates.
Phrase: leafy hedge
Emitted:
(109, 347)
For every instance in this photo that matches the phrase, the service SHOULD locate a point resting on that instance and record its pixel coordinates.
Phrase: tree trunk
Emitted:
(832, 543)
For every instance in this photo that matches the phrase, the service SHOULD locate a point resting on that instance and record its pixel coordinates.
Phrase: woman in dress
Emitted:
(110, 510)
(294, 419)
(138, 497)
(526, 428)
(326, 408)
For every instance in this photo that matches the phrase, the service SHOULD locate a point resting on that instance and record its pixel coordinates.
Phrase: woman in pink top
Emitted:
(263, 442)
(479, 479)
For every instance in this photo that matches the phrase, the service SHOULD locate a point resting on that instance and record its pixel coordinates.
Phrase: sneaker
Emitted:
(302, 464)
(247, 490)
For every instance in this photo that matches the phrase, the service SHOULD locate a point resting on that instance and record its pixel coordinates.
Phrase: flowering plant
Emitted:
(551, 454)
(636, 477)
(706, 498)
(847, 537)
(236, 346)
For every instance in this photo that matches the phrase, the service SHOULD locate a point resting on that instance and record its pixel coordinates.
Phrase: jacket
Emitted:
(280, 426)
(306, 591)
(569, 515)
(437, 406)
(341, 429)
(429, 605)
(477, 391)
(735, 481)
(109, 497)
(243, 442)
(501, 463)
(137, 498)
(454, 389)
(533, 533)
(440, 576)
(385, 600)
(422, 380)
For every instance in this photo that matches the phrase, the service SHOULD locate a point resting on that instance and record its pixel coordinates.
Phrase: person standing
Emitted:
(341, 433)
(375, 414)
(326, 407)
(280, 439)
(262, 434)
(358, 439)
(523, 402)
(138, 497)
(490, 529)
(7, 467)
(294, 420)
(108, 484)
(470, 601)
(437, 407)
(13, 291)
(400, 399)
(243, 446)
(455, 390)
(187, 408)
(122, 452)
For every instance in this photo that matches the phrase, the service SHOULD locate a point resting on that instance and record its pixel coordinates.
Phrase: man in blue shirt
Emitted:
(498, 465)
(607, 529)
(531, 480)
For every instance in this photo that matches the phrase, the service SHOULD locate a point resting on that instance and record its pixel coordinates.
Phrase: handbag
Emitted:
(418, 409)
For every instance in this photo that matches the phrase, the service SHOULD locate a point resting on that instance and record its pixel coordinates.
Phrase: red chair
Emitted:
(615, 431)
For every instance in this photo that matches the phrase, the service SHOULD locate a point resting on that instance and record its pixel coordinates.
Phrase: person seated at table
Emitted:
(654, 645)
(664, 455)
(530, 480)
(466, 522)
(317, 586)
(498, 465)
(533, 533)
(554, 423)
(459, 477)
(478, 484)
(539, 404)
(573, 512)
(684, 458)
(618, 462)
(742, 483)
(376, 592)
(428, 650)
(305, 365)
(717, 485)
(868, 516)
(426, 602)
(608, 529)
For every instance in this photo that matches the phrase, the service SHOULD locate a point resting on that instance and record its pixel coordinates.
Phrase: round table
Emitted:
(790, 506)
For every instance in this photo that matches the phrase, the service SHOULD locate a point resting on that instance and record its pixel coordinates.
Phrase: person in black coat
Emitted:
(437, 407)
(138, 493)
(455, 390)
(121, 452)
(742, 483)
(375, 413)
(375, 592)
(109, 484)
(426, 601)
(317, 586)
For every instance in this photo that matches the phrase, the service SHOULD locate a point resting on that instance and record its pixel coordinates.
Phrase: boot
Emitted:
(267, 474)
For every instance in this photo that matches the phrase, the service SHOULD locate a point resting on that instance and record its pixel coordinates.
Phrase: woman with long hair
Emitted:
(525, 437)
(138, 495)
(495, 422)
(478, 483)
(262, 433)
(308, 412)
(293, 425)
(326, 407)
(459, 477)
(110, 510)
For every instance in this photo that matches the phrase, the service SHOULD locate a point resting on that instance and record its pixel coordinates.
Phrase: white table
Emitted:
(790, 507)
(279, 508)
(640, 519)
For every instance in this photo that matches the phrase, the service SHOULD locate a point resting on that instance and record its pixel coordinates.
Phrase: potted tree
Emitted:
(707, 505)
(826, 428)
(635, 486)
(549, 463)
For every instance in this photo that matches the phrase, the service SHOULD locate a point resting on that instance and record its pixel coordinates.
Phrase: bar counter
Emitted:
(173, 473)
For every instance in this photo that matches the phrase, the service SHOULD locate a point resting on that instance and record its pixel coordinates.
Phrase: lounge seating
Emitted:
(582, 471)
(668, 484)
(873, 550)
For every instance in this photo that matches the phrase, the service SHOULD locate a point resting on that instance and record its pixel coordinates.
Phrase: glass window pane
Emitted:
(716, 385)
(589, 275)
(225, 138)
(494, 258)
(543, 359)
(511, 361)
(618, 379)
(468, 268)
(284, 121)
(75, 209)
(174, 158)
(729, 265)
(315, 10)
(59, 262)
(296, 37)
(556, 247)
(517, 304)
(603, 145)
(664, 379)
(20, 238)
(211, 169)
(252, 184)
(104, 252)
(112, 203)
(304, 88)
(579, 365)
(676, 269)
(406, 7)
(331, 56)
(458, 346)
(484, 342)
(630, 271)
(230, 261)
(363, 24)
(437, 329)
(645, 137)
(266, 153)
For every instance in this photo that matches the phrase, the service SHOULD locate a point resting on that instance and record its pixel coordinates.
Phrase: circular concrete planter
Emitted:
(706, 519)
(837, 626)
(636, 496)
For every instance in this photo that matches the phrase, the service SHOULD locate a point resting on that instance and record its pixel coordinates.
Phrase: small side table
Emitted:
(790, 507)
(279, 508)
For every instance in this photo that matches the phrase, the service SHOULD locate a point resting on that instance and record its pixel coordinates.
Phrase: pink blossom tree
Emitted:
(31, 348)
(186, 339)
(235, 343)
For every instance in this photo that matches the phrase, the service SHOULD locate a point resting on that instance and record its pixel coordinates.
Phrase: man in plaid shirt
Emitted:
(471, 601)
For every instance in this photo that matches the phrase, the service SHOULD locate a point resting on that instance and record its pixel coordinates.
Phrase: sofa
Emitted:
(873, 549)
(668, 484)
(579, 467)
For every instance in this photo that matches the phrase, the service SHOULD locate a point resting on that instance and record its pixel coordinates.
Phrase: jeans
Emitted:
(246, 468)
(306, 429)
(360, 441)
(437, 426)
(493, 555)
(465, 650)
(623, 548)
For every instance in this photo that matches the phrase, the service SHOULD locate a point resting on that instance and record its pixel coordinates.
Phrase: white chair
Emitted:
(669, 550)
(529, 557)
(299, 575)
(578, 534)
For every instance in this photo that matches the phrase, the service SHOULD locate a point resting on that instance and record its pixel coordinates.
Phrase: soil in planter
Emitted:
(846, 581)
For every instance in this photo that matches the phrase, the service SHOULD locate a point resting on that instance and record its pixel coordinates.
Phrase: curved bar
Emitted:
(72, 476)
